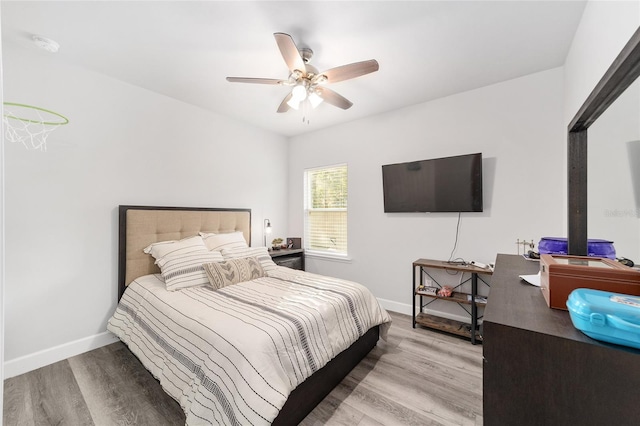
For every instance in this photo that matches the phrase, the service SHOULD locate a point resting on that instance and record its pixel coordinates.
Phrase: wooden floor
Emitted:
(417, 377)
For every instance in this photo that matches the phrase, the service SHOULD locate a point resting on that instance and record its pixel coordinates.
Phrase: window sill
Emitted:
(327, 256)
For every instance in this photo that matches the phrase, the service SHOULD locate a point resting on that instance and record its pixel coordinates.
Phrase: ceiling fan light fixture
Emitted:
(294, 103)
(321, 79)
(314, 99)
(299, 93)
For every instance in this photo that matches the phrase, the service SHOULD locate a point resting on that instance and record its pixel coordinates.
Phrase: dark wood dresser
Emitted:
(540, 370)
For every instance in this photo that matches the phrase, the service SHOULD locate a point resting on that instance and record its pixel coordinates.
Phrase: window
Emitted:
(325, 210)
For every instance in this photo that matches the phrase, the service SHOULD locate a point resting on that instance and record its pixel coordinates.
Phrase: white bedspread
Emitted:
(232, 356)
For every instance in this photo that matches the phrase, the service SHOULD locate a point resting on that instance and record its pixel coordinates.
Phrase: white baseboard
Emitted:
(30, 362)
(401, 308)
(404, 308)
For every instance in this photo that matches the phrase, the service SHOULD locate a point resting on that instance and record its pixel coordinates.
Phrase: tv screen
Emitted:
(450, 184)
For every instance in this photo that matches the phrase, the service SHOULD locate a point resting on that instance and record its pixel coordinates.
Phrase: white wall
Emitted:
(605, 28)
(518, 127)
(123, 145)
(2, 263)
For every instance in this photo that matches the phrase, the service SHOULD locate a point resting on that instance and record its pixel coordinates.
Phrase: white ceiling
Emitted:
(426, 49)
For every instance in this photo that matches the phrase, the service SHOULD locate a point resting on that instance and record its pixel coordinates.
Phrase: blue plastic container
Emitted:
(595, 248)
(606, 316)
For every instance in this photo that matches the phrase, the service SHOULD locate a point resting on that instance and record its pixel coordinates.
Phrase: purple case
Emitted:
(595, 248)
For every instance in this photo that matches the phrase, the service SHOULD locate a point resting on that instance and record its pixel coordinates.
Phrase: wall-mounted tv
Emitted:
(450, 184)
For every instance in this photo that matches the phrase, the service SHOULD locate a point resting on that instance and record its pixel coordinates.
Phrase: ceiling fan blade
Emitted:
(345, 72)
(290, 52)
(284, 107)
(331, 97)
(254, 80)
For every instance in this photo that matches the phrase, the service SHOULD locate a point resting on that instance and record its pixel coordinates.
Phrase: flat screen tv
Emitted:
(450, 184)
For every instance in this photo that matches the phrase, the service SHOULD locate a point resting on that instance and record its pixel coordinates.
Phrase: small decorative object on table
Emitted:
(432, 291)
(276, 243)
(445, 291)
(294, 243)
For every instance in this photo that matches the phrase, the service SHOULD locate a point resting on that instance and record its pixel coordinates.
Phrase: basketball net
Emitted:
(29, 125)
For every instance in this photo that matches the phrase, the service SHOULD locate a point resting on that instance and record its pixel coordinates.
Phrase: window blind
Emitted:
(325, 207)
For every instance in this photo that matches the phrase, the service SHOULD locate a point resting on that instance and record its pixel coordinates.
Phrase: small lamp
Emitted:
(267, 230)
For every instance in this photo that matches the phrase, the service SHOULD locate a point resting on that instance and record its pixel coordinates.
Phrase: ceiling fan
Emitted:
(306, 82)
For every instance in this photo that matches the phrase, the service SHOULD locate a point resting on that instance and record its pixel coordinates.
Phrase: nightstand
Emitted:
(291, 258)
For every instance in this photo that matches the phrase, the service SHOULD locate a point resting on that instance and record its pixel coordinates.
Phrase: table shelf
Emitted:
(461, 298)
(456, 296)
(447, 325)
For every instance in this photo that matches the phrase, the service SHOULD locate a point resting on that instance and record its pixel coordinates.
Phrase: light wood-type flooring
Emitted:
(416, 377)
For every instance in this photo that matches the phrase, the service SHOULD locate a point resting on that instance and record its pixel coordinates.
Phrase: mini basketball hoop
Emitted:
(30, 125)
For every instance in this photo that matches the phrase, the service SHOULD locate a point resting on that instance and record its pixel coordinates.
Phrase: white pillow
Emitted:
(181, 261)
(229, 240)
(260, 252)
(161, 248)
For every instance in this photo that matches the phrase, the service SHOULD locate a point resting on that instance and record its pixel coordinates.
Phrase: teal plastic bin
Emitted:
(609, 317)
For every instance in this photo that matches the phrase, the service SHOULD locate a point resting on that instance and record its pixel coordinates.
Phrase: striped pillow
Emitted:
(181, 261)
(233, 271)
(224, 241)
(260, 252)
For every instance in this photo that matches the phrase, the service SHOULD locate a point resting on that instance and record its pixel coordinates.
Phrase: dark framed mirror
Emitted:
(620, 75)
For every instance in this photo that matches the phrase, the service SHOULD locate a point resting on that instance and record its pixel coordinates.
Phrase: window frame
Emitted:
(314, 252)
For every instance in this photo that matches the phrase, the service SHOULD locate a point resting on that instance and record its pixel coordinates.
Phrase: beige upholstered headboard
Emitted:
(142, 225)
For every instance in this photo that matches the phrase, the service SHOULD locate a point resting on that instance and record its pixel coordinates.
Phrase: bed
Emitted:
(194, 340)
